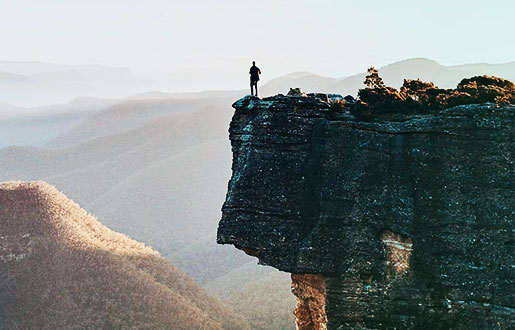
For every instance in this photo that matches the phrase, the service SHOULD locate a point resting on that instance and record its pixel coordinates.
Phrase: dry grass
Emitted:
(62, 269)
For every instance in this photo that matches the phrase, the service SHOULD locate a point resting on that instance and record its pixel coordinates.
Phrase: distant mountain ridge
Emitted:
(92, 71)
(156, 166)
(35, 83)
(392, 74)
(62, 269)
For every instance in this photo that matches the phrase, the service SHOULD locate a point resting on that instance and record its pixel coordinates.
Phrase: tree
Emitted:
(372, 80)
(414, 88)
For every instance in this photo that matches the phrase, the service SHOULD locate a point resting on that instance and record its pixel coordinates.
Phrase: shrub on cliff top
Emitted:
(383, 99)
(488, 89)
(372, 80)
(337, 104)
(419, 97)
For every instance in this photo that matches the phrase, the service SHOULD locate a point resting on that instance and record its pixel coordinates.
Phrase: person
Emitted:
(254, 78)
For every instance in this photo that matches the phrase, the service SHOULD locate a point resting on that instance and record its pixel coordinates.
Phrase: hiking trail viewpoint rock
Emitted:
(383, 224)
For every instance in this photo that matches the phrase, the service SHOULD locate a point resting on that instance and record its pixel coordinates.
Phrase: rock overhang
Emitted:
(387, 207)
(277, 139)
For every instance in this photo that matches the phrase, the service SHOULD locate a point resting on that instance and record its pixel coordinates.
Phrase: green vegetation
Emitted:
(419, 97)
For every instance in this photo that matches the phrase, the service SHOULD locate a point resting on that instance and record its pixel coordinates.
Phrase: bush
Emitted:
(419, 97)
(381, 100)
(337, 104)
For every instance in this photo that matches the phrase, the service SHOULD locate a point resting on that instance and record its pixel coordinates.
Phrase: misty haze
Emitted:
(121, 113)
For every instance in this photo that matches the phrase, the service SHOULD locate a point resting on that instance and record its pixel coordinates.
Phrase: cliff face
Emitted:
(409, 224)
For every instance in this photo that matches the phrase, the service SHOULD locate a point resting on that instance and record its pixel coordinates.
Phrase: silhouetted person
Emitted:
(254, 78)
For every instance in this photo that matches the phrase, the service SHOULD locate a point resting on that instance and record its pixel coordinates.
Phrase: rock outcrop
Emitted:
(403, 224)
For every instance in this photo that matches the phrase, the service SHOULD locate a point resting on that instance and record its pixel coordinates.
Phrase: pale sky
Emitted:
(210, 44)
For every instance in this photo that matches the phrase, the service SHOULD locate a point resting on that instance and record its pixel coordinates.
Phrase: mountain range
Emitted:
(34, 83)
(29, 84)
(161, 183)
(392, 74)
(155, 166)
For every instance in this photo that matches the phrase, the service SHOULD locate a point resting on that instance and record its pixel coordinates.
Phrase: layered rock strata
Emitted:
(405, 225)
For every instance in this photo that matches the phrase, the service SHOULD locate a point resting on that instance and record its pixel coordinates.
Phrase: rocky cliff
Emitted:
(383, 224)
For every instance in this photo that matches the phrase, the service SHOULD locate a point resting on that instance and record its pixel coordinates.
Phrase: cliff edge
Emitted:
(384, 224)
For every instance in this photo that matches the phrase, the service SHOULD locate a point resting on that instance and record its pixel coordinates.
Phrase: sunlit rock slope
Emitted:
(60, 268)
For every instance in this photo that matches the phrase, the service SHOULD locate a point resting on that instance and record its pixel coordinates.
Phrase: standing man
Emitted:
(254, 78)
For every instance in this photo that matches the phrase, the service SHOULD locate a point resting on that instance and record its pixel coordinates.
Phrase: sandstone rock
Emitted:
(310, 310)
(409, 223)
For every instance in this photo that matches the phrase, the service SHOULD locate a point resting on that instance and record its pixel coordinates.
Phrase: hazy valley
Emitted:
(155, 167)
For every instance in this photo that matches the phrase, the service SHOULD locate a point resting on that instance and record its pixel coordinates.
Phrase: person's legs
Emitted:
(253, 84)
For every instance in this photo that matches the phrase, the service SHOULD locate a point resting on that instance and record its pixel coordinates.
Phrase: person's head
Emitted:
(253, 62)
